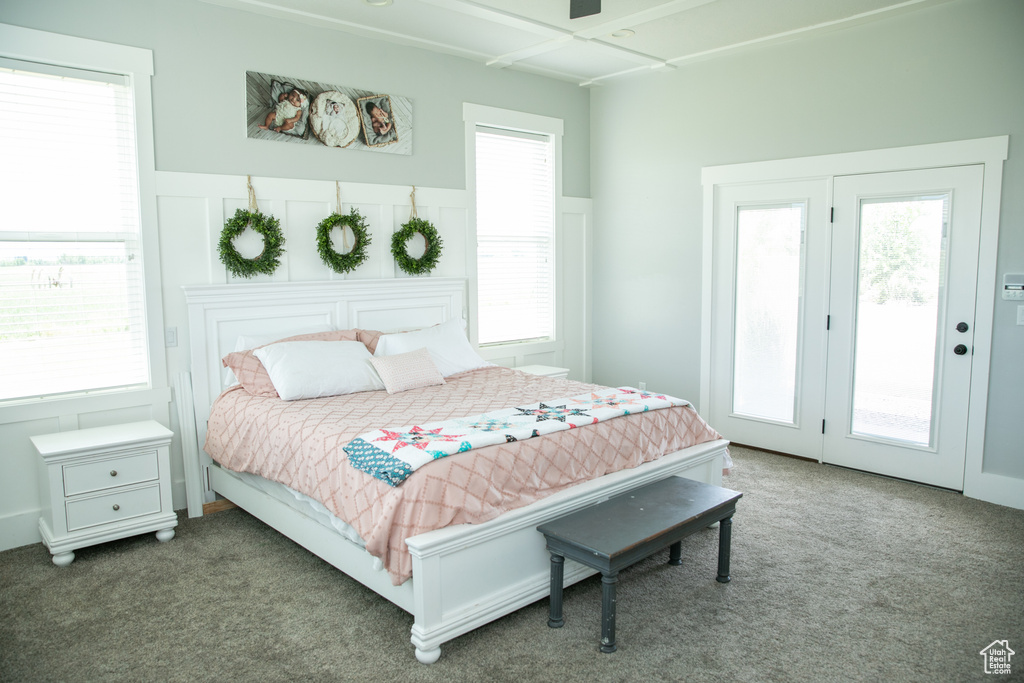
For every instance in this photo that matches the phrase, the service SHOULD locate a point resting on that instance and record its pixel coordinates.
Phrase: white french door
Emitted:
(904, 274)
(768, 349)
(848, 341)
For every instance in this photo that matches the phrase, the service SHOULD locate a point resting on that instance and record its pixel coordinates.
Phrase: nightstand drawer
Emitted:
(110, 472)
(113, 507)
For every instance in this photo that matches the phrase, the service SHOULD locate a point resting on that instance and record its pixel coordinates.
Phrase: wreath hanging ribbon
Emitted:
(349, 259)
(268, 227)
(426, 263)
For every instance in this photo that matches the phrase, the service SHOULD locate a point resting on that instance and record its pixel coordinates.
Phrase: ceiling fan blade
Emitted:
(583, 8)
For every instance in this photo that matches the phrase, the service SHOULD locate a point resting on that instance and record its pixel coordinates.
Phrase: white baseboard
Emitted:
(995, 488)
(21, 528)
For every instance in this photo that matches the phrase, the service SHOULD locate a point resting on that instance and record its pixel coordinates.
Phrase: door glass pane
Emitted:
(900, 292)
(769, 281)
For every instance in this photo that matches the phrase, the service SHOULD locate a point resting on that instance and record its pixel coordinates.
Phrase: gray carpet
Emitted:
(837, 576)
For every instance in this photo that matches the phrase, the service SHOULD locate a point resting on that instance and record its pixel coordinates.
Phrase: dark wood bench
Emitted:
(615, 534)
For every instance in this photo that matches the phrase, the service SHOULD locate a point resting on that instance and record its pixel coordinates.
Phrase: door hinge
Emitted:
(832, 215)
(828, 322)
(823, 426)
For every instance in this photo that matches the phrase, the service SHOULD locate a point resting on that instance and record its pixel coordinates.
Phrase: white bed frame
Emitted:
(464, 576)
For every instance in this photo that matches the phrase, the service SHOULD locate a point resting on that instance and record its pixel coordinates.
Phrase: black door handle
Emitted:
(959, 349)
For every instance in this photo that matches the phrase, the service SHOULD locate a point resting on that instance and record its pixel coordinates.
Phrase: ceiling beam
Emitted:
(559, 37)
(510, 58)
(497, 16)
(666, 9)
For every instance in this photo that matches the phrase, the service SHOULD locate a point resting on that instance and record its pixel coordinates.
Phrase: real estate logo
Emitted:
(997, 657)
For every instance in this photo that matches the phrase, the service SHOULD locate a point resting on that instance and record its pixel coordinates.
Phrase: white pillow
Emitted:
(312, 369)
(446, 343)
(245, 342)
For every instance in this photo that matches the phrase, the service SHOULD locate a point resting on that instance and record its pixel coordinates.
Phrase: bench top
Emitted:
(656, 514)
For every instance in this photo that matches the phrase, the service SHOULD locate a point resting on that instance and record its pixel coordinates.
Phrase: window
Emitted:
(72, 314)
(515, 226)
(769, 290)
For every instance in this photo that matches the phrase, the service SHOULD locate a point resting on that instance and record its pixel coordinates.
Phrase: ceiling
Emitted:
(538, 36)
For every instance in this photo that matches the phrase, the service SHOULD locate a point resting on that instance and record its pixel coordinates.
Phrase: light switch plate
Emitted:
(1013, 286)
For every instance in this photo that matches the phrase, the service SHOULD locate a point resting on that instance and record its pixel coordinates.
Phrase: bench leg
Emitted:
(555, 619)
(675, 554)
(724, 548)
(608, 582)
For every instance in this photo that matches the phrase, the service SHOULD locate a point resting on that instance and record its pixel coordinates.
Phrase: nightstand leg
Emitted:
(555, 619)
(165, 535)
(608, 582)
(63, 559)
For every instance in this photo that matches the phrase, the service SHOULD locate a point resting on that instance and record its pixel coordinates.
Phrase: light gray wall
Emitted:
(202, 51)
(945, 73)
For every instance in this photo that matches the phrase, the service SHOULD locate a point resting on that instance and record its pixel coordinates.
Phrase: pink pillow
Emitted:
(405, 371)
(369, 338)
(251, 374)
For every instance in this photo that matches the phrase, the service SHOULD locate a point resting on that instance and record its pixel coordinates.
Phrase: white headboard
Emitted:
(219, 314)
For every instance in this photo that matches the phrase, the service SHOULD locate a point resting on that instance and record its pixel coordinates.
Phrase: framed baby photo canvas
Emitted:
(301, 111)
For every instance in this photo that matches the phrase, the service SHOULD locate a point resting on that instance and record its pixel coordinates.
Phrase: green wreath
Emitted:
(343, 263)
(273, 241)
(425, 263)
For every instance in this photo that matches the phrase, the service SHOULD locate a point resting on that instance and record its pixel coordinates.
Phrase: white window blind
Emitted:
(72, 316)
(515, 219)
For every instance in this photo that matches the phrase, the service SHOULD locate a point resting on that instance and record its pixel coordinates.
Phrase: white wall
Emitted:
(949, 72)
(200, 54)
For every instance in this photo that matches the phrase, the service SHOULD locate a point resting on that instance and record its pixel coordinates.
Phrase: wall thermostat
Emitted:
(1013, 287)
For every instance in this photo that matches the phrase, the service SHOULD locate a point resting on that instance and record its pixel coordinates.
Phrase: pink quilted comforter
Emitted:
(299, 444)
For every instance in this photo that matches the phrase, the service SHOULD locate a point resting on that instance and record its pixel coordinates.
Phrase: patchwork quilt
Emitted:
(391, 455)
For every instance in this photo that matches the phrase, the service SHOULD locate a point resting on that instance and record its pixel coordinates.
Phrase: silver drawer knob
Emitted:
(116, 506)
(113, 473)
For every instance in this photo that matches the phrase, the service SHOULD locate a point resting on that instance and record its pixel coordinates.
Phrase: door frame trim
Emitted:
(989, 152)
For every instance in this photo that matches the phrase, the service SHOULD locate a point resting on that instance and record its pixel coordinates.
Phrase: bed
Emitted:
(463, 575)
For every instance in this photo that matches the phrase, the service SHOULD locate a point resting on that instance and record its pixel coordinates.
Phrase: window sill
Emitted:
(40, 409)
(493, 351)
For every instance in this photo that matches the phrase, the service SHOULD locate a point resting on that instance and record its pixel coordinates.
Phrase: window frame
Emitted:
(475, 115)
(136, 65)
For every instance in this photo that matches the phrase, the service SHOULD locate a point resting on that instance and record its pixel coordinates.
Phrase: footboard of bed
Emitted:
(468, 575)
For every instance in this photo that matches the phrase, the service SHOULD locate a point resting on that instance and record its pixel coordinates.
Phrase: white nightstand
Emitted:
(101, 484)
(545, 370)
